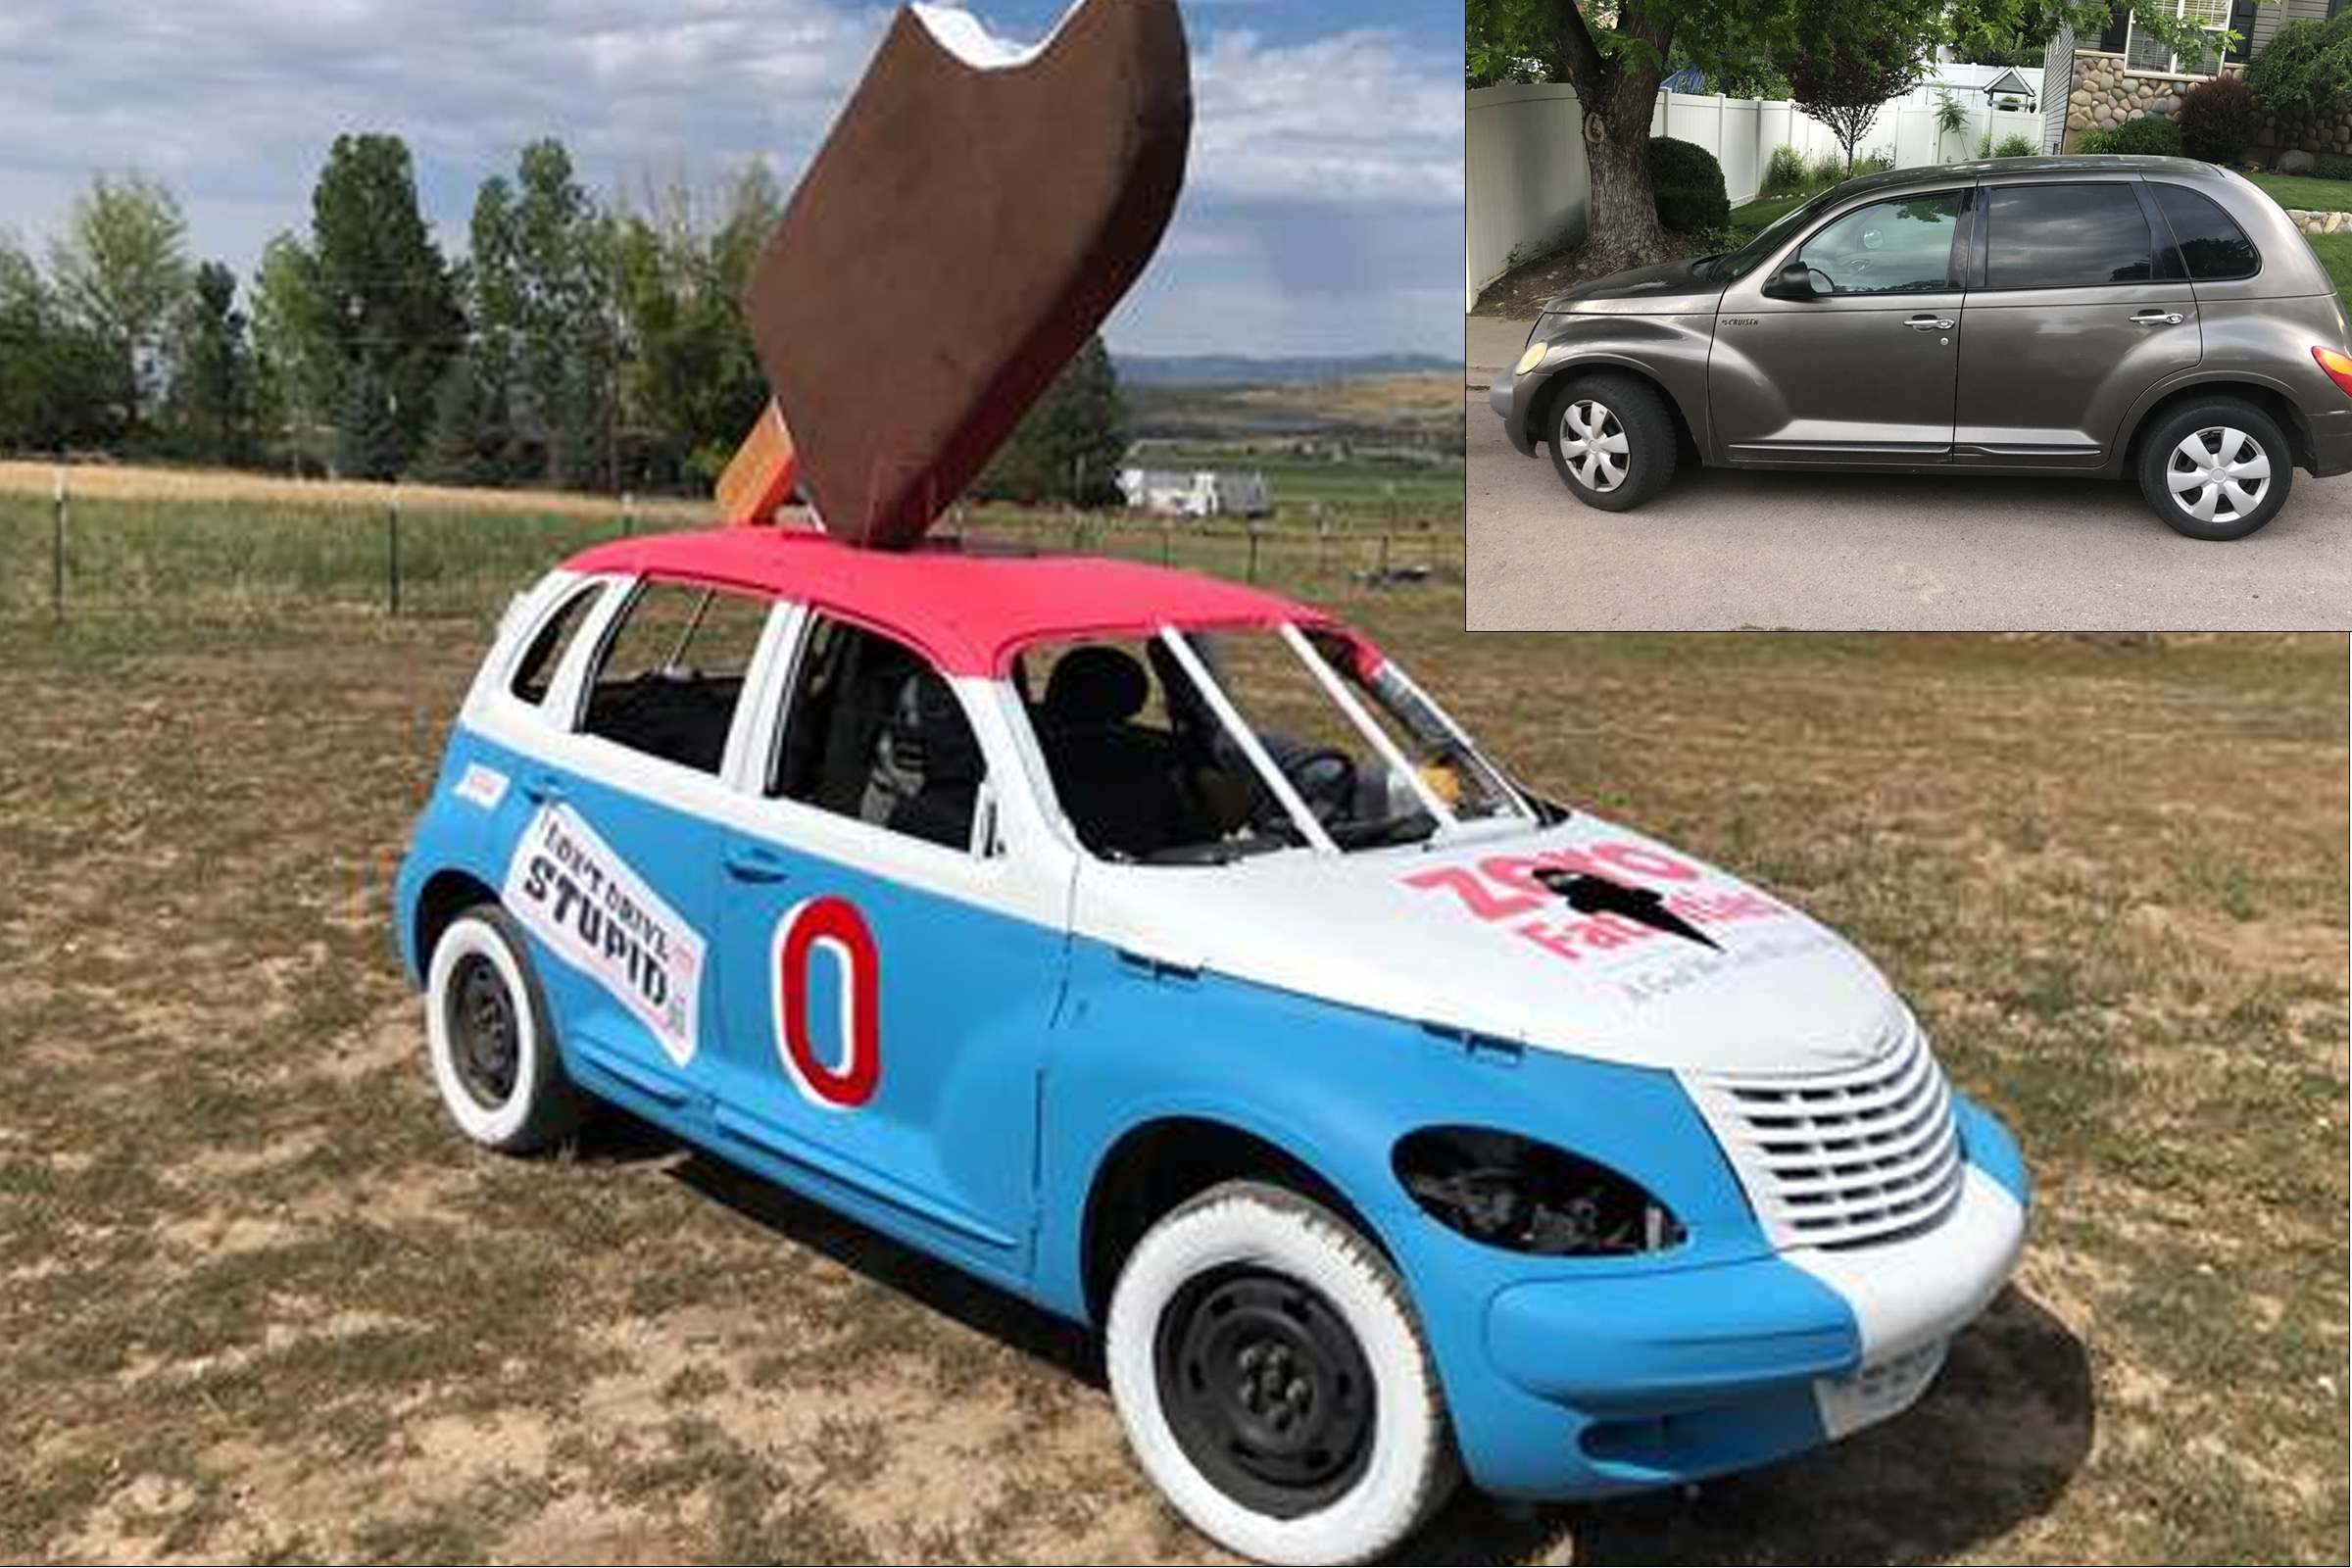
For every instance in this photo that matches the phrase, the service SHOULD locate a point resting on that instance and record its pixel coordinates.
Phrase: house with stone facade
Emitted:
(2097, 83)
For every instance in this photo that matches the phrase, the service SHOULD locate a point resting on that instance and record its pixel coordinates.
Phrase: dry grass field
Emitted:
(260, 1303)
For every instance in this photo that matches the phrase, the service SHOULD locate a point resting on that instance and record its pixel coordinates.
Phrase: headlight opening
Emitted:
(1523, 1196)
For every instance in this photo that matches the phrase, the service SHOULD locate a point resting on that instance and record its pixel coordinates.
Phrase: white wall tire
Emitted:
(506, 1088)
(1369, 1486)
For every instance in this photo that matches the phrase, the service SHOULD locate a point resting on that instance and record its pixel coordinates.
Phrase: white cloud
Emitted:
(234, 102)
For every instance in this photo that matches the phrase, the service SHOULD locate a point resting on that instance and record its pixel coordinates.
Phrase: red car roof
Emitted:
(969, 613)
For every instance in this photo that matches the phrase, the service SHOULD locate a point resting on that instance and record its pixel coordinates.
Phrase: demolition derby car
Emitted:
(1154, 948)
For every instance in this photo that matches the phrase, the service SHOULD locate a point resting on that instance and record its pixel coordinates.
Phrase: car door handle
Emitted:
(752, 863)
(544, 789)
(1929, 324)
(2157, 318)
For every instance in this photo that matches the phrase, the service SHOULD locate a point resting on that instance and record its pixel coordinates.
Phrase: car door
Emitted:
(892, 945)
(2070, 318)
(611, 870)
(1861, 370)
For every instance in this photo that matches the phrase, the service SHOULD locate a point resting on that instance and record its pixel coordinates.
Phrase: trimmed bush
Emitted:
(1786, 174)
(2216, 118)
(2333, 169)
(1689, 187)
(2016, 146)
(2154, 136)
(2306, 68)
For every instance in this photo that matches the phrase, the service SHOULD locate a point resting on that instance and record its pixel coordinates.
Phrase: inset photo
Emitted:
(1841, 317)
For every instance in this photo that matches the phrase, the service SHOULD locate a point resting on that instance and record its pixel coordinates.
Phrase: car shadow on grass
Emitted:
(1995, 1444)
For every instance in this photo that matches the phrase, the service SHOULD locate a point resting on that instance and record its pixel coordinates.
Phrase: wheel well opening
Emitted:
(1541, 432)
(1156, 1166)
(446, 896)
(2283, 413)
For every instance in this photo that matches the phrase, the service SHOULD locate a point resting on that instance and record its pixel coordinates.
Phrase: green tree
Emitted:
(1613, 52)
(1068, 448)
(58, 380)
(210, 411)
(383, 299)
(2306, 67)
(120, 271)
(691, 381)
(1844, 83)
(466, 443)
(297, 364)
(559, 251)
(495, 291)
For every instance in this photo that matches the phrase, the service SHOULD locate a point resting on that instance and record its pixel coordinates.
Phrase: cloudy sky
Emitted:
(1323, 212)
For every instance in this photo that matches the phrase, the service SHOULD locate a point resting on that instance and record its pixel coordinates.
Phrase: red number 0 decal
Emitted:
(836, 925)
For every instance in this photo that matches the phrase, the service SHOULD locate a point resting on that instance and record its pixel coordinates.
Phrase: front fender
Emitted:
(1335, 1088)
(1668, 350)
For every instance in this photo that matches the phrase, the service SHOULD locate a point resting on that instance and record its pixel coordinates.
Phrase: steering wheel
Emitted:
(1325, 779)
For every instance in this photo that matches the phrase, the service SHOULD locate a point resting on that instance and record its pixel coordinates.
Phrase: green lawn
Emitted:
(2336, 254)
(1756, 214)
(2304, 191)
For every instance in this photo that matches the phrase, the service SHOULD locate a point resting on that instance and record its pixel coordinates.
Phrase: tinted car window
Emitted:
(2058, 236)
(2211, 242)
(1887, 247)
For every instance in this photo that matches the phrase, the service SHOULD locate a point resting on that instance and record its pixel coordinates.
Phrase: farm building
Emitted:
(1202, 493)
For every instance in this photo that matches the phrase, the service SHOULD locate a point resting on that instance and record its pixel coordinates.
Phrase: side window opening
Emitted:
(2210, 243)
(1892, 247)
(2067, 236)
(672, 672)
(535, 673)
(872, 731)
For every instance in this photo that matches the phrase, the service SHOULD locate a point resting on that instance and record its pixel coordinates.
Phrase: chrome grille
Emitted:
(1841, 1159)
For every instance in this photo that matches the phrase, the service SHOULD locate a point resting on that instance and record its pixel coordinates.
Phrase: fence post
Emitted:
(628, 504)
(1168, 540)
(1254, 533)
(57, 545)
(1383, 578)
(1322, 541)
(392, 557)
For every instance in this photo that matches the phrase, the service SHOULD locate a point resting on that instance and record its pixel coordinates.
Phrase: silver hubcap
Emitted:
(1592, 445)
(2219, 474)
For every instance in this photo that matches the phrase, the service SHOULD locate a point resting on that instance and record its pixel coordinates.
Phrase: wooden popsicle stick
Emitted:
(758, 478)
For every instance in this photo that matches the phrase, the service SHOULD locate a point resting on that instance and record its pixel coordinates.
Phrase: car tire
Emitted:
(1325, 1439)
(2195, 460)
(1612, 441)
(492, 1039)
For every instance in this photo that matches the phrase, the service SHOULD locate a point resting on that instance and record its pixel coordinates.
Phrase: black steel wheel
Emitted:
(485, 1032)
(1266, 1388)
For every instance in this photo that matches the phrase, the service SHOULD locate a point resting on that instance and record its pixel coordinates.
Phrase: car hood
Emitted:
(1667, 289)
(1463, 939)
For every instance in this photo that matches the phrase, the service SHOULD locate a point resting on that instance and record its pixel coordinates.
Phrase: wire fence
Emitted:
(68, 556)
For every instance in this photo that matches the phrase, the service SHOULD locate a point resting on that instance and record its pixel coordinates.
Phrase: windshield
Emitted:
(1749, 257)
(1192, 748)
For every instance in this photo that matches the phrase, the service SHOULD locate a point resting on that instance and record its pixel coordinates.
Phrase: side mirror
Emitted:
(1793, 282)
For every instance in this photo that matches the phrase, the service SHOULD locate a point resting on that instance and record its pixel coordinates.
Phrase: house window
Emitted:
(2143, 52)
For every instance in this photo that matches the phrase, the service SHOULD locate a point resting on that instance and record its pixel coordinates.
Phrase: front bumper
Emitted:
(1503, 397)
(1599, 1385)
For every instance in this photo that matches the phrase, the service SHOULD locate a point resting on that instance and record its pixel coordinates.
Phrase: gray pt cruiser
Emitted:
(2090, 316)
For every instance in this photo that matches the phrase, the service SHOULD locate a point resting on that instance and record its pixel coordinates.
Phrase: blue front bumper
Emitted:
(1580, 1386)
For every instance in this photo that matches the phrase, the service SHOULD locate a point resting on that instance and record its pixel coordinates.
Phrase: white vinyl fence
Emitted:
(1529, 188)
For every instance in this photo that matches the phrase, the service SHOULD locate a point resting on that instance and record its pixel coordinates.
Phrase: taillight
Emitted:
(2337, 365)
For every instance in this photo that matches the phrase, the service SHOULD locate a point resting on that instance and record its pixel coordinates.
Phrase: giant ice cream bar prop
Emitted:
(975, 213)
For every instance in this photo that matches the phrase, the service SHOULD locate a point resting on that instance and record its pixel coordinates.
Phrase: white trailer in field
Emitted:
(1199, 493)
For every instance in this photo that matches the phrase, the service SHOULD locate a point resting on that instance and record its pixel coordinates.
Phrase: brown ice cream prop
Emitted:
(963, 230)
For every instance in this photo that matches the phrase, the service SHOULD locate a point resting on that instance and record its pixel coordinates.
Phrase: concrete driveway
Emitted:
(1720, 548)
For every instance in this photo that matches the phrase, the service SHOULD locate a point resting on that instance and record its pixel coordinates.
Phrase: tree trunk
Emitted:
(1618, 92)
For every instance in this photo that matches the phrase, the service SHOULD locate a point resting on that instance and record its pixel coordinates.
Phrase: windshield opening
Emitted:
(1196, 747)
(1734, 265)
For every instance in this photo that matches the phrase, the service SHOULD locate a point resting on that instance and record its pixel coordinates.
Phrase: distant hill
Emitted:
(1234, 369)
